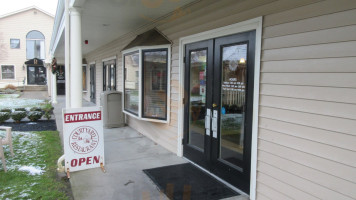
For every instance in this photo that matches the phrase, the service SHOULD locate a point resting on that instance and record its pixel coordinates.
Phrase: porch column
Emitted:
(54, 88)
(67, 53)
(76, 87)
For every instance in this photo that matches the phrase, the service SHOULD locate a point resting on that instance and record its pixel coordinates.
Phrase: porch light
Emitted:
(242, 61)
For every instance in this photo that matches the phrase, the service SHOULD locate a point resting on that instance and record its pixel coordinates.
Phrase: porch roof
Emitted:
(106, 20)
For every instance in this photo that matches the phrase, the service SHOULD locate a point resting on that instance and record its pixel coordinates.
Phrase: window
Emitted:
(14, 43)
(109, 75)
(7, 72)
(35, 45)
(146, 83)
(84, 81)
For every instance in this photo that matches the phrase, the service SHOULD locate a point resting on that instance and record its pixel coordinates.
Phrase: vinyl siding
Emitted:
(307, 120)
(17, 26)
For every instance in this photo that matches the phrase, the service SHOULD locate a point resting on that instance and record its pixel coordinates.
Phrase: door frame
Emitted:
(94, 74)
(249, 25)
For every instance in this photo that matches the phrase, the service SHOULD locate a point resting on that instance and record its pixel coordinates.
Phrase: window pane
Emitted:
(155, 84)
(35, 35)
(7, 72)
(233, 98)
(42, 49)
(30, 49)
(113, 77)
(131, 82)
(84, 80)
(14, 43)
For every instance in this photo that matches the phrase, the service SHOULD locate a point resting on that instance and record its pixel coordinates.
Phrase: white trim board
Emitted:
(252, 24)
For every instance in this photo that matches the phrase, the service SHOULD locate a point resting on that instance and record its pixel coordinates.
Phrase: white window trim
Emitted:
(252, 24)
(14, 71)
(139, 49)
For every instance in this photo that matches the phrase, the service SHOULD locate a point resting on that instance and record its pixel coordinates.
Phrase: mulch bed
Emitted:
(40, 125)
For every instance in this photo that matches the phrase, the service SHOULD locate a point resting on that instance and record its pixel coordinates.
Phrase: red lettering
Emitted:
(81, 160)
(96, 159)
(88, 160)
(74, 162)
(80, 117)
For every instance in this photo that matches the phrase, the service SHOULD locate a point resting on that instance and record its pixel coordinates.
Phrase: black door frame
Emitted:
(92, 84)
(209, 159)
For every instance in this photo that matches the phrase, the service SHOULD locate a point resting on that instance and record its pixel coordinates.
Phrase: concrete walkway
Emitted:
(127, 153)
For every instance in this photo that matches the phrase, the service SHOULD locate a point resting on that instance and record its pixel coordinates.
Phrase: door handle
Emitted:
(214, 124)
(207, 121)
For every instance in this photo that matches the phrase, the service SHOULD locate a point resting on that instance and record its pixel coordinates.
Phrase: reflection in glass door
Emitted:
(197, 100)
(233, 95)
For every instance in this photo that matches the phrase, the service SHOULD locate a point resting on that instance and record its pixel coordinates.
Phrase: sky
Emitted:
(8, 6)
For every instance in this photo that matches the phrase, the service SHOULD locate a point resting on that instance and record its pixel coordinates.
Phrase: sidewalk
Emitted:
(127, 153)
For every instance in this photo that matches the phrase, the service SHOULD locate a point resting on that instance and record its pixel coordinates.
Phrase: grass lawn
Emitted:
(38, 151)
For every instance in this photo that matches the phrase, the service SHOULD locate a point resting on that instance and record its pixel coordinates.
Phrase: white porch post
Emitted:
(76, 90)
(67, 54)
(54, 88)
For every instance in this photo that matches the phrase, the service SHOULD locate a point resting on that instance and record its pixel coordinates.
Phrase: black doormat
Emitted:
(187, 182)
(40, 125)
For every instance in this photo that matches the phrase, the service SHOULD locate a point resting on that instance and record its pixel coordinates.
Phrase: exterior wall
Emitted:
(17, 26)
(307, 121)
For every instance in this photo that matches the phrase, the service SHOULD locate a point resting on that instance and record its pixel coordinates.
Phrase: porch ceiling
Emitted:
(105, 20)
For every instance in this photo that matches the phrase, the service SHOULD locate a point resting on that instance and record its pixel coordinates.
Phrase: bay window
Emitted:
(146, 78)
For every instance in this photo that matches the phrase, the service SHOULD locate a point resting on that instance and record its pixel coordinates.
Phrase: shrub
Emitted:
(8, 110)
(10, 86)
(36, 109)
(20, 109)
(9, 91)
(4, 116)
(18, 115)
(48, 110)
(34, 115)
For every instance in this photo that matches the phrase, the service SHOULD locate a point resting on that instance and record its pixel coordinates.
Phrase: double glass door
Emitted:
(218, 111)
(36, 75)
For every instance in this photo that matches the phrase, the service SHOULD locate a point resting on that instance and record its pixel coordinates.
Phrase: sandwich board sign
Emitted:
(83, 138)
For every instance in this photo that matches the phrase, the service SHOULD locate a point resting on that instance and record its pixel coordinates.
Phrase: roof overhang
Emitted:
(106, 20)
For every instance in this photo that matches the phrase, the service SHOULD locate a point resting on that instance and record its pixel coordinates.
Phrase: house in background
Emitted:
(24, 45)
(276, 79)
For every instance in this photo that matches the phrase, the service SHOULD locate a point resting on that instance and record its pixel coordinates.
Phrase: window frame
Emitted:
(2, 72)
(84, 76)
(11, 39)
(141, 50)
(35, 40)
(107, 74)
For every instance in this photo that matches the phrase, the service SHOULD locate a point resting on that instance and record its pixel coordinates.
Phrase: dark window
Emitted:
(109, 75)
(7, 72)
(84, 78)
(14, 43)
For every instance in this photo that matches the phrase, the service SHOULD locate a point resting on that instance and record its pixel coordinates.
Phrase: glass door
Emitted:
(218, 110)
(36, 75)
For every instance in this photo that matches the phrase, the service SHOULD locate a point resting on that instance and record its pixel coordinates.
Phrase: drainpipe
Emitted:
(67, 53)
(76, 90)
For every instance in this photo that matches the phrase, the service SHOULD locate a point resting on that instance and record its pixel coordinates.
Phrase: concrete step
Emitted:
(34, 88)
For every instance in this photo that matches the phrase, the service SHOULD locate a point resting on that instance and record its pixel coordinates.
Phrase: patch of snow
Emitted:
(31, 123)
(32, 170)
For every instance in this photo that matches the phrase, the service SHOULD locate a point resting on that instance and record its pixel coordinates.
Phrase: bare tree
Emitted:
(3, 48)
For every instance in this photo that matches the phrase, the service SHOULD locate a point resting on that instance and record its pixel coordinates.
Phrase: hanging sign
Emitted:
(83, 138)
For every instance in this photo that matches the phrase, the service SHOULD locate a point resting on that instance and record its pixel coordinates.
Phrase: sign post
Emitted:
(83, 138)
